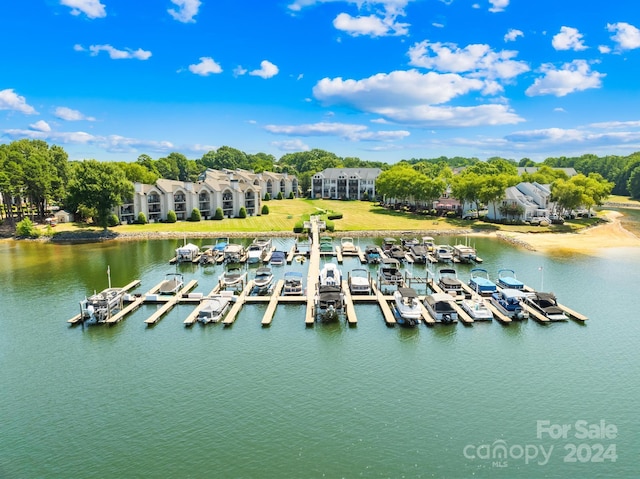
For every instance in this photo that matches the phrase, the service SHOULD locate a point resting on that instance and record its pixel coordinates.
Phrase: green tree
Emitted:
(219, 214)
(98, 186)
(242, 213)
(265, 210)
(171, 216)
(195, 215)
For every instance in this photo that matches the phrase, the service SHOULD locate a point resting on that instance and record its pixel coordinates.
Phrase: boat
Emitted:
(209, 255)
(443, 253)
(464, 253)
(232, 278)
(480, 282)
(407, 243)
(263, 281)
(372, 254)
(292, 284)
(359, 280)
(507, 279)
(546, 304)
(476, 307)
(221, 244)
(396, 252)
(258, 249)
(330, 275)
(440, 307)
(329, 302)
(420, 253)
(100, 306)
(508, 302)
(172, 283)
(278, 258)
(406, 307)
(187, 253)
(449, 283)
(326, 244)
(389, 275)
(214, 307)
(429, 243)
(234, 253)
(387, 243)
(347, 246)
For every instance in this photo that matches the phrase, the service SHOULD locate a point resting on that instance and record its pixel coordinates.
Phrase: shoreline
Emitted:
(610, 234)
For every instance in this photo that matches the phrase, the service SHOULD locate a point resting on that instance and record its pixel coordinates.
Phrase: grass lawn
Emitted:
(356, 216)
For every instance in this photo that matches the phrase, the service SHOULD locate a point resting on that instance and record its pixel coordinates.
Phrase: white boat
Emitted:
(258, 250)
(234, 253)
(214, 307)
(171, 284)
(292, 284)
(547, 305)
(263, 281)
(347, 246)
(449, 283)
(278, 258)
(507, 279)
(330, 275)
(100, 306)
(443, 253)
(389, 275)
(477, 308)
(509, 302)
(187, 253)
(480, 282)
(406, 307)
(464, 253)
(429, 243)
(440, 307)
(359, 280)
(233, 278)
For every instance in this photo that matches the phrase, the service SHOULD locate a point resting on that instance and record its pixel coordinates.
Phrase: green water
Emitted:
(290, 401)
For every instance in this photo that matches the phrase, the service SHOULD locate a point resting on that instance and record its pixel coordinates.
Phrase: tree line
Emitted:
(35, 175)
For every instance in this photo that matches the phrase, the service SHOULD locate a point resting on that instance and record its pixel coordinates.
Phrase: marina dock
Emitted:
(169, 303)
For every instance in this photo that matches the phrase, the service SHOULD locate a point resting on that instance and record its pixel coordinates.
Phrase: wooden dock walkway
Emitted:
(133, 284)
(313, 273)
(231, 315)
(348, 300)
(193, 316)
(273, 303)
(170, 303)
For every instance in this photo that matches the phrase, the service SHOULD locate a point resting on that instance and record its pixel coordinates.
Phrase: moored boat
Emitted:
(359, 280)
(480, 282)
(507, 279)
(234, 253)
(326, 244)
(440, 307)
(263, 281)
(187, 253)
(389, 275)
(278, 258)
(258, 249)
(233, 278)
(449, 283)
(546, 304)
(292, 284)
(329, 302)
(508, 302)
(214, 307)
(419, 252)
(443, 253)
(171, 284)
(476, 307)
(100, 306)
(464, 253)
(406, 307)
(372, 254)
(347, 246)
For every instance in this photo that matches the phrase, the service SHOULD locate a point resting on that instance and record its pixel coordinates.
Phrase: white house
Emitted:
(345, 183)
(523, 202)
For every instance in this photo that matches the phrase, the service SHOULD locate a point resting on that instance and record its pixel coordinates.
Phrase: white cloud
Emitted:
(625, 35)
(370, 25)
(291, 145)
(572, 77)
(67, 114)
(569, 38)
(560, 110)
(479, 60)
(342, 130)
(10, 100)
(459, 116)
(512, 35)
(116, 54)
(207, 66)
(239, 71)
(604, 49)
(266, 70)
(40, 125)
(187, 9)
(91, 8)
(498, 5)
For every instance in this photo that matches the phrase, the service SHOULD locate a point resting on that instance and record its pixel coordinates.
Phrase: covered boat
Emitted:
(258, 250)
(547, 305)
(449, 283)
(172, 283)
(187, 253)
(263, 281)
(440, 307)
(214, 308)
(443, 253)
(100, 306)
(509, 302)
(406, 307)
(330, 275)
(480, 282)
(419, 252)
(278, 258)
(359, 280)
(389, 275)
(326, 244)
(372, 254)
(464, 253)
(329, 301)
(234, 253)
(507, 279)
(292, 284)
(347, 246)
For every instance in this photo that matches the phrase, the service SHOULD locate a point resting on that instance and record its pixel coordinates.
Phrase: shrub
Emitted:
(242, 213)
(265, 210)
(334, 216)
(364, 196)
(171, 216)
(219, 214)
(291, 195)
(298, 227)
(280, 196)
(267, 197)
(26, 229)
(142, 219)
(195, 215)
(330, 226)
(113, 220)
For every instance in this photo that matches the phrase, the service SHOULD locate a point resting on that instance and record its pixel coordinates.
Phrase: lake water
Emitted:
(517, 401)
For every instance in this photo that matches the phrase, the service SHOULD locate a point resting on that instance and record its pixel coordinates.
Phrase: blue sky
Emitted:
(381, 80)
